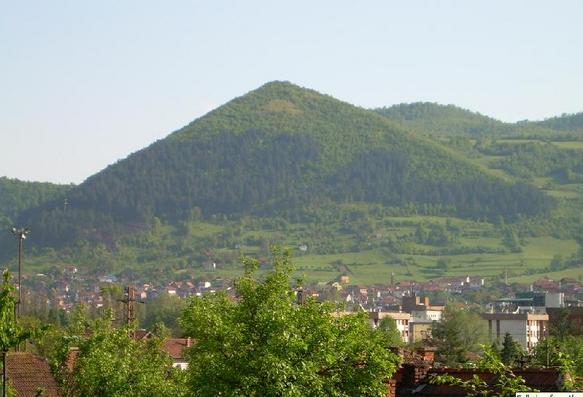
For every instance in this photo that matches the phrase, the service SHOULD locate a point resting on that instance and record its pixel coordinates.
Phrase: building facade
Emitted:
(525, 328)
(402, 320)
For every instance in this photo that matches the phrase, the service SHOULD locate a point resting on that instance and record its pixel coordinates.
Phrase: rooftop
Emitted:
(29, 373)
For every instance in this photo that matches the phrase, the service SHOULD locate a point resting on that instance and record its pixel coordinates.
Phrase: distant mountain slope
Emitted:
(451, 121)
(274, 149)
(16, 196)
(442, 120)
(567, 122)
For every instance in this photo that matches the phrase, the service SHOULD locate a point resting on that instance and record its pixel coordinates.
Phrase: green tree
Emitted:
(12, 333)
(507, 384)
(562, 327)
(265, 344)
(566, 353)
(459, 331)
(512, 353)
(388, 326)
(165, 309)
(557, 263)
(111, 363)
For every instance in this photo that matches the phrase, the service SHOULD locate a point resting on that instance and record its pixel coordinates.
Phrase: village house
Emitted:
(175, 348)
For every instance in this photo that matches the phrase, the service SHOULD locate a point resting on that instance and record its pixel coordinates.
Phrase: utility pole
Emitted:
(130, 304)
(3, 373)
(20, 234)
(300, 298)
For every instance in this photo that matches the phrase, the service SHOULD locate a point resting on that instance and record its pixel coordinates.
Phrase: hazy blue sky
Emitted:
(85, 83)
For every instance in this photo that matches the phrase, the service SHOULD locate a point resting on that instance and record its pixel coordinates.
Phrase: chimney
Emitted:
(188, 342)
(426, 354)
(408, 376)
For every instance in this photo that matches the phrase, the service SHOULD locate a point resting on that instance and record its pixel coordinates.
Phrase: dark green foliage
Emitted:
(278, 148)
(165, 309)
(452, 121)
(110, 362)
(566, 122)
(265, 344)
(392, 335)
(459, 332)
(506, 383)
(16, 195)
(12, 332)
(441, 120)
(512, 354)
(527, 160)
(553, 352)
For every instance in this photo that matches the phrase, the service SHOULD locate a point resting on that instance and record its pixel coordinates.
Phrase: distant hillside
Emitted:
(442, 120)
(274, 149)
(567, 122)
(452, 121)
(16, 196)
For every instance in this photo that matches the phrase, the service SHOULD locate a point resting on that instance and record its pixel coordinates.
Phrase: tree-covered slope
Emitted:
(274, 149)
(566, 122)
(442, 120)
(452, 121)
(16, 195)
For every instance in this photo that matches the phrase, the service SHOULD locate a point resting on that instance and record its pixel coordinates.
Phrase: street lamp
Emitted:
(20, 234)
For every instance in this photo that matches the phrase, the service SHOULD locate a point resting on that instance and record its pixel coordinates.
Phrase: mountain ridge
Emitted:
(273, 149)
(450, 120)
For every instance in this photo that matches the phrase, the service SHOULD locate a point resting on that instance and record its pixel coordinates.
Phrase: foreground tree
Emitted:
(12, 334)
(506, 383)
(565, 354)
(264, 344)
(111, 363)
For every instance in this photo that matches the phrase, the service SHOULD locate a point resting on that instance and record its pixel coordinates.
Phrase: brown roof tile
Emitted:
(541, 379)
(28, 372)
(175, 347)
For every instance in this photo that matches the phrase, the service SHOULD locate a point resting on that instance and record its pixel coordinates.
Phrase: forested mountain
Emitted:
(566, 122)
(274, 149)
(452, 121)
(442, 120)
(16, 195)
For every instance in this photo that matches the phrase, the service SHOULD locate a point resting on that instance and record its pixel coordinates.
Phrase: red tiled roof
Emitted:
(28, 372)
(541, 379)
(175, 347)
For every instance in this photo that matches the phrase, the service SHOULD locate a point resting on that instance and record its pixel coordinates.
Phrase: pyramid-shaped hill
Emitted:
(274, 149)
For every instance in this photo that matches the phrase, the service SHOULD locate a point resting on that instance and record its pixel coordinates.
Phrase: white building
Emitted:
(525, 328)
(402, 320)
(426, 315)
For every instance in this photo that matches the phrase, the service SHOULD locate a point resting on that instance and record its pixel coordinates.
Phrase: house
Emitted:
(420, 308)
(420, 331)
(29, 373)
(175, 348)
